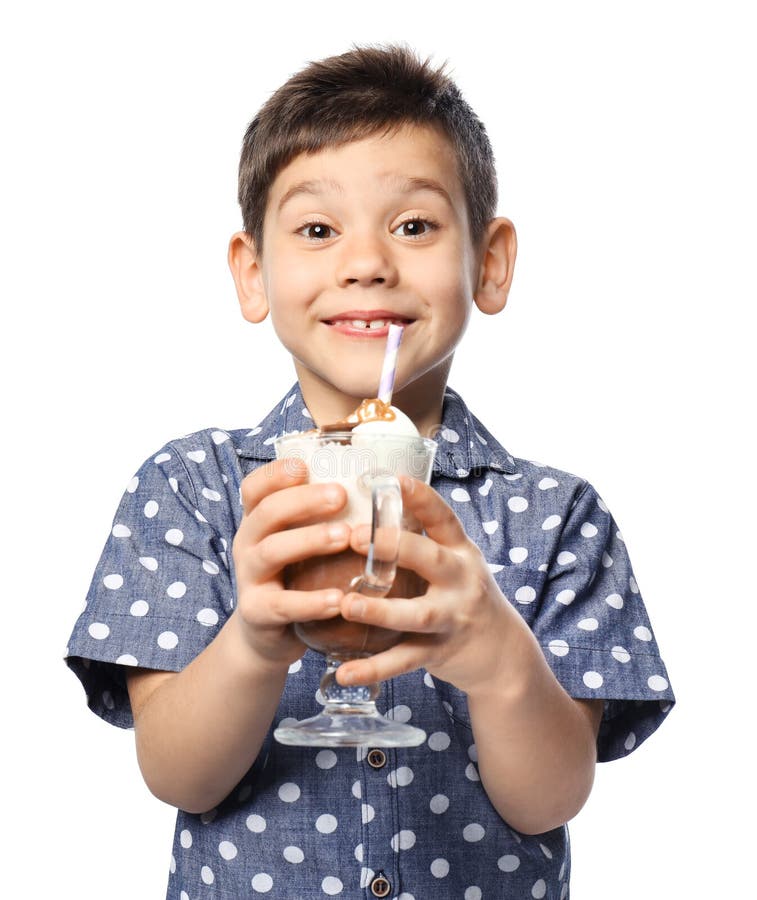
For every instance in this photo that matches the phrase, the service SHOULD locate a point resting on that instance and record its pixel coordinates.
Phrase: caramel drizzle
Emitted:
(373, 410)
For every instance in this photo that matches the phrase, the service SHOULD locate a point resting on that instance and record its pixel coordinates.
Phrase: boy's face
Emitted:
(374, 231)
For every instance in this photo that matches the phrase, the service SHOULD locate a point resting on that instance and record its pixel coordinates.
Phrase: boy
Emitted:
(368, 195)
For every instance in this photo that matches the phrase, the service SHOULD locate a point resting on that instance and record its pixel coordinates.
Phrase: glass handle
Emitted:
(383, 550)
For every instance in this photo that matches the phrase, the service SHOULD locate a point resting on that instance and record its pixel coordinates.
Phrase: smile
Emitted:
(373, 323)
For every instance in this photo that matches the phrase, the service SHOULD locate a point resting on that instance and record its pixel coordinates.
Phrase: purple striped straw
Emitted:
(389, 367)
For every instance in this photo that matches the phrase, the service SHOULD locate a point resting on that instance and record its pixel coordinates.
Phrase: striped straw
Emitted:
(390, 363)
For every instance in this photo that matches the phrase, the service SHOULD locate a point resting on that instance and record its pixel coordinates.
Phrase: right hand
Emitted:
(276, 497)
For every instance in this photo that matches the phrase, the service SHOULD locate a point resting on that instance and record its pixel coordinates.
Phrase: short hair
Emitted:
(366, 91)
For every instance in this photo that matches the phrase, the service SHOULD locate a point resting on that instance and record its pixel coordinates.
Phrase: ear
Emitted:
(500, 247)
(244, 263)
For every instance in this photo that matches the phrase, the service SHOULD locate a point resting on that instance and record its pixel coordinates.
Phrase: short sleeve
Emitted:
(161, 590)
(595, 631)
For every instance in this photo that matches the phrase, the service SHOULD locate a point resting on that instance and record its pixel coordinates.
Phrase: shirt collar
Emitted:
(464, 445)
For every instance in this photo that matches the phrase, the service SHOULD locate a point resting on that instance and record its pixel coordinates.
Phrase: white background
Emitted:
(624, 135)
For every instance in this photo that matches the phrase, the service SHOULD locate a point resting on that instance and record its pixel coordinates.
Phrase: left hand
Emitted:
(458, 629)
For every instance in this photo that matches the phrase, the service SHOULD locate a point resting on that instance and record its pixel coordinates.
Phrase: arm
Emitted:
(536, 745)
(198, 731)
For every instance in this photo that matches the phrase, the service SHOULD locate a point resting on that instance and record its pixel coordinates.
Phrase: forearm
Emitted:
(201, 730)
(536, 747)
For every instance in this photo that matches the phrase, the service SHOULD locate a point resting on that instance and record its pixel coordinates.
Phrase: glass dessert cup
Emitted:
(368, 468)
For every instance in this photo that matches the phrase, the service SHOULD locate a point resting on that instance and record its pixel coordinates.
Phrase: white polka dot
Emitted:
(547, 483)
(539, 890)
(657, 683)
(593, 680)
(127, 660)
(485, 487)
(113, 582)
(167, 640)
(174, 536)
(401, 777)
(606, 560)
(517, 504)
(405, 896)
(472, 893)
(565, 558)
(209, 494)
(403, 840)
(319, 698)
(615, 601)
(210, 567)
(359, 853)
(254, 431)
(440, 868)
(325, 759)
(450, 435)
(256, 823)
(183, 896)
(367, 813)
(219, 437)
(400, 713)
(98, 630)
(632, 585)
(588, 530)
(262, 883)
(566, 597)
(439, 740)
(174, 485)
(545, 850)
(564, 892)
(518, 554)
(642, 633)
(199, 516)
(471, 773)
(439, 804)
(207, 617)
(331, 885)
(428, 680)
(121, 531)
(132, 485)
(206, 873)
(366, 876)
(473, 752)
(460, 495)
(558, 647)
(289, 792)
(139, 608)
(161, 458)
(172, 864)
(326, 823)
(473, 832)
(197, 456)
(621, 654)
(176, 590)
(151, 509)
(149, 563)
(227, 850)
(295, 667)
(108, 700)
(630, 741)
(293, 854)
(589, 624)
(525, 594)
(508, 863)
(602, 505)
(516, 477)
(550, 522)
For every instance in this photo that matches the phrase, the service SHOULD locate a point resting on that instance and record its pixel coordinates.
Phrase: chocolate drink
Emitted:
(337, 637)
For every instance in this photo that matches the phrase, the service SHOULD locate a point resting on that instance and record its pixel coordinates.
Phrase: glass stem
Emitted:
(346, 697)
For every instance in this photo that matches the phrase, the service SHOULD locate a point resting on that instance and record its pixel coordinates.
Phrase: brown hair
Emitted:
(355, 95)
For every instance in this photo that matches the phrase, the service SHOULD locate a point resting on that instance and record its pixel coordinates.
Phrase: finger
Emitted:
(271, 477)
(264, 609)
(434, 563)
(265, 559)
(439, 521)
(407, 656)
(298, 505)
(417, 614)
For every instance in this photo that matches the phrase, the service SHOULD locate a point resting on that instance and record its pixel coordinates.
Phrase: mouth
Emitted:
(366, 323)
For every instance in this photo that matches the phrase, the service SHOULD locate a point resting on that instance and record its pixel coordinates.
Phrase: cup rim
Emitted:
(340, 437)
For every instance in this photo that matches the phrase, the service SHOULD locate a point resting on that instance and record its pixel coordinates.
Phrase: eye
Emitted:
(414, 228)
(316, 231)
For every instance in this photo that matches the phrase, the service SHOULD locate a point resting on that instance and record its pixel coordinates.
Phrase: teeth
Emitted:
(362, 323)
(377, 323)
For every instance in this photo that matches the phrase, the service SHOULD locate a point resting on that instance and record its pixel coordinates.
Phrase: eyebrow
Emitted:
(317, 187)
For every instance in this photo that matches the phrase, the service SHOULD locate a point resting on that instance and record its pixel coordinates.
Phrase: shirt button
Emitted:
(377, 760)
(380, 886)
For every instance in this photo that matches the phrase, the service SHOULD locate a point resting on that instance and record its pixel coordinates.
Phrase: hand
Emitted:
(275, 497)
(458, 628)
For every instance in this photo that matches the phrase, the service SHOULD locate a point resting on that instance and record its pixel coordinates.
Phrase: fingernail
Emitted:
(357, 608)
(336, 532)
(331, 496)
(345, 677)
(333, 598)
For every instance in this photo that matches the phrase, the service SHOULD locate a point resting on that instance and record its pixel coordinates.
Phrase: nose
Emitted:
(366, 259)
